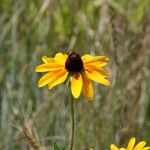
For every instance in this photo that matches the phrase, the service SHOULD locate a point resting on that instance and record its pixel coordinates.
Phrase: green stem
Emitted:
(72, 133)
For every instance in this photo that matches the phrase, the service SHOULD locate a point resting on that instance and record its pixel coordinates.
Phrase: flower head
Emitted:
(81, 71)
(132, 146)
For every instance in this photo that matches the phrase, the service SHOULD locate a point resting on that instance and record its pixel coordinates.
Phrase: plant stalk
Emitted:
(72, 132)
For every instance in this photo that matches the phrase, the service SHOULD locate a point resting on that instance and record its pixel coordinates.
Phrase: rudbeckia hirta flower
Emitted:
(80, 70)
(132, 146)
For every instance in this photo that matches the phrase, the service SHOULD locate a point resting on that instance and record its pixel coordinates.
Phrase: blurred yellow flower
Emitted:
(132, 146)
(81, 71)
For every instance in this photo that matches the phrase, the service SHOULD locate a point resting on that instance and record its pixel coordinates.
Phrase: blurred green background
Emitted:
(30, 29)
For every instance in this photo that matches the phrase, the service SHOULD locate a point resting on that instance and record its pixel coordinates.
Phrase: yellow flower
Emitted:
(81, 71)
(132, 146)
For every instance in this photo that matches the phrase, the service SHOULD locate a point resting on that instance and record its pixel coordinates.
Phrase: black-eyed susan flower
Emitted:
(81, 71)
(132, 146)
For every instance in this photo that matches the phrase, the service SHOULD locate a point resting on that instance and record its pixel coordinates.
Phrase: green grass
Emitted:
(118, 29)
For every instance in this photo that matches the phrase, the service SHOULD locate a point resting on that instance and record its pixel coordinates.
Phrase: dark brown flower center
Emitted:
(74, 62)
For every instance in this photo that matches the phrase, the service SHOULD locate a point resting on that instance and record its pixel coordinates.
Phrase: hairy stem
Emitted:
(72, 132)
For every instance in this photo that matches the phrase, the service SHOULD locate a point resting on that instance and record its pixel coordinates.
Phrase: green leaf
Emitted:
(55, 146)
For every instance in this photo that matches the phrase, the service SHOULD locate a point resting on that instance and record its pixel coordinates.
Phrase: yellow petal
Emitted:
(146, 148)
(87, 89)
(60, 58)
(131, 144)
(122, 149)
(95, 60)
(46, 79)
(140, 145)
(95, 76)
(76, 84)
(45, 59)
(100, 70)
(113, 147)
(48, 67)
(57, 79)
